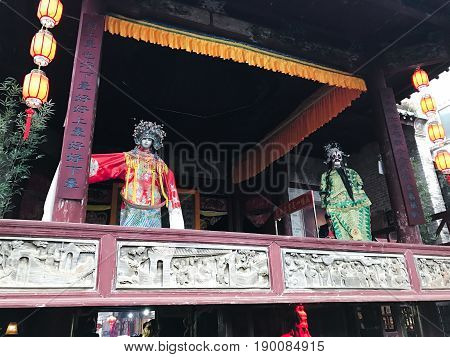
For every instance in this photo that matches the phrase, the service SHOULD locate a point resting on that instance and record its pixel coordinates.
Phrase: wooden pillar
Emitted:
(72, 185)
(404, 197)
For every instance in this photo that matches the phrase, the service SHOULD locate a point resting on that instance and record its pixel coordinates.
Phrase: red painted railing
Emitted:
(105, 294)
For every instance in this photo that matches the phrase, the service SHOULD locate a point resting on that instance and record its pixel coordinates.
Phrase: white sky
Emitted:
(440, 90)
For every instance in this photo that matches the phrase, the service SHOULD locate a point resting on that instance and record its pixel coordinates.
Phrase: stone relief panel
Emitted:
(160, 266)
(307, 269)
(39, 263)
(434, 271)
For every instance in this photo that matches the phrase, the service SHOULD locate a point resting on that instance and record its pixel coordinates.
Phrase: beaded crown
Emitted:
(151, 130)
(330, 148)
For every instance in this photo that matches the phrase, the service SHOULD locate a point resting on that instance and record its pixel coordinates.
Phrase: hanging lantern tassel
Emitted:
(26, 133)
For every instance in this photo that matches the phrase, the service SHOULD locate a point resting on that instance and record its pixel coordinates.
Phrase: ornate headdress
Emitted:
(330, 148)
(151, 130)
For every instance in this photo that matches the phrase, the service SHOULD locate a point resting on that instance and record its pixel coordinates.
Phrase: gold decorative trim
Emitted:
(229, 50)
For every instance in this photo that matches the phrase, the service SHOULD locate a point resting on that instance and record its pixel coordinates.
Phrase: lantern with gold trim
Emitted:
(420, 79)
(50, 12)
(428, 106)
(12, 329)
(35, 88)
(43, 48)
(436, 132)
(442, 161)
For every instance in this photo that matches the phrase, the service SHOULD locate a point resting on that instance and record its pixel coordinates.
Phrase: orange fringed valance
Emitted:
(230, 50)
(344, 88)
(317, 114)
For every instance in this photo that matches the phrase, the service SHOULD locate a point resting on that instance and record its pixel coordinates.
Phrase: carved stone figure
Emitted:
(336, 270)
(222, 265)
(191, 267)
(434, 272)
(32, 263)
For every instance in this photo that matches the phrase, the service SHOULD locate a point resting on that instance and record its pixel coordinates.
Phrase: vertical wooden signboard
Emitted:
(80, 117)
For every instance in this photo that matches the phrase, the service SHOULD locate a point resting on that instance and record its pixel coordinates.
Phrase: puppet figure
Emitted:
(344, 199)
(148, 183)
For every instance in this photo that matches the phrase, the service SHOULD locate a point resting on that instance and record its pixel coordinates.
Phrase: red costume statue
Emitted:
(149, 183)
(301, 328)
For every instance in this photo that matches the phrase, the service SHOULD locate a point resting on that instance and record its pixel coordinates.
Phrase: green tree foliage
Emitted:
(16, 154)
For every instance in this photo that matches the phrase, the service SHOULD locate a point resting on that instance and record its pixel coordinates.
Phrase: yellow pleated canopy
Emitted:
(345, 88)
(229, 50)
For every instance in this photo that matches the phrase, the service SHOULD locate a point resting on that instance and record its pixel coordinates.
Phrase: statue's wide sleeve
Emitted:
(107, 166)
(175, 213)
(103, 167)
(323, 188)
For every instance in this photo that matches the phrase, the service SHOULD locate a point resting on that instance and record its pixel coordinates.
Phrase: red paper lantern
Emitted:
(428, 105)
(12, 329)
(420, 79)
(436, 131)
(35, 88)
(50, 12)
(43, 48)
(442, 161)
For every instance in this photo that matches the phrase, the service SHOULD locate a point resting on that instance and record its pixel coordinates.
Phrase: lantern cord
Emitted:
(26, 133)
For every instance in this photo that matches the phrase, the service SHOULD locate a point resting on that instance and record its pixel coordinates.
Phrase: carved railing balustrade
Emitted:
(64, 264)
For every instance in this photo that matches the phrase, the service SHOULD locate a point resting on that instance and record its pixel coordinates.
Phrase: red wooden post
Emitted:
(405, 200)
(107, 264)
(71, 193)
(276, 268)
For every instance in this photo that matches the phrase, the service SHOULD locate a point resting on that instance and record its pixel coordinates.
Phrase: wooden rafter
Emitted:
(301, 45)
(399, 7)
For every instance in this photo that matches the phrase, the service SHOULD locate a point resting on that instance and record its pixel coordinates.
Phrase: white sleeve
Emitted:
(176, 217)
(50, 199)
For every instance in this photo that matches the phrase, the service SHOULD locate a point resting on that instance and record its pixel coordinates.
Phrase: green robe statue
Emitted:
(347, 204)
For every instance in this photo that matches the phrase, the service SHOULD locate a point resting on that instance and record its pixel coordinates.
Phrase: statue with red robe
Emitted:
(301, 327)
(148, 183)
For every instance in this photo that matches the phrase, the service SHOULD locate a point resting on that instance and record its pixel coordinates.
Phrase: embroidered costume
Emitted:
(344, 199)
(149, 185)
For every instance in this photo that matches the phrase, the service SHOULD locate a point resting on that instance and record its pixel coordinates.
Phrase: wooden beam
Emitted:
(399, 7)
(301, 44)
(266, 14)
(406, 90)
(423, 54)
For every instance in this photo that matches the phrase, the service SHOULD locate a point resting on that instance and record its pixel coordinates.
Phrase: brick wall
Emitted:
(365, 162)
